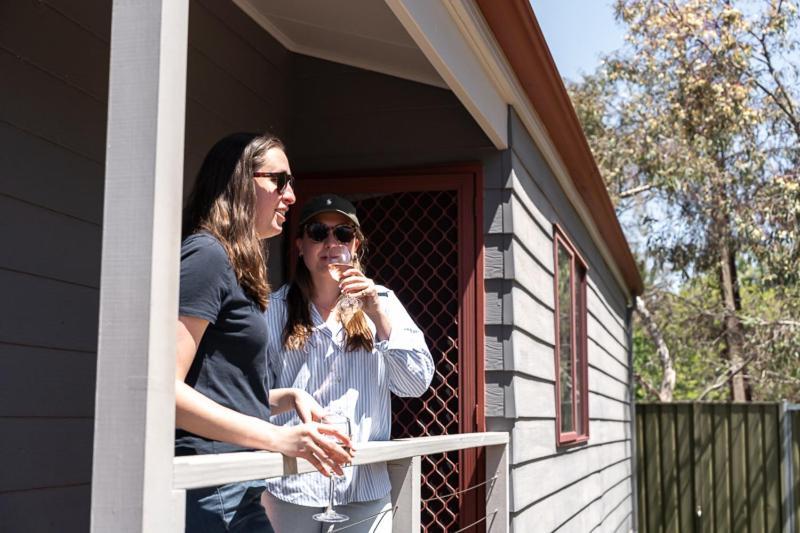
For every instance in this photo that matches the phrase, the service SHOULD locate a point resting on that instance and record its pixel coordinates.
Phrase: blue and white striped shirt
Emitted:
(355, 383)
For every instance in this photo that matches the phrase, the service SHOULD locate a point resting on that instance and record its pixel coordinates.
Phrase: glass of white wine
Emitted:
(340, 260)
(343, 425)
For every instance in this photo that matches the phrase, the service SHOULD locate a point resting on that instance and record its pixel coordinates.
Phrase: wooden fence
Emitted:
(718, 467)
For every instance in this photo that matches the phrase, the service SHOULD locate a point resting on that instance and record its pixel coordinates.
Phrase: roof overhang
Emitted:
(491, 54)
(516, 31)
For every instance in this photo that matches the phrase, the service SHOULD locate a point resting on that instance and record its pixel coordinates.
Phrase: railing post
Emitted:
(406, 478)
(497, 491)
(179, 508)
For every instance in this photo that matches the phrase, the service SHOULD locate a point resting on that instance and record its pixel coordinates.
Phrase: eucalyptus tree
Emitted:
(695, 124)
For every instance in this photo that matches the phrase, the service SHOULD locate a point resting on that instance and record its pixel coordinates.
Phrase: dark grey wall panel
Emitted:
(346, 118)
(54, 44)
(52, 245)
(37, 171)
(45, 452)
(54, 383)
(50, 510)
(92, 15)
(46, 106)
(43, 312)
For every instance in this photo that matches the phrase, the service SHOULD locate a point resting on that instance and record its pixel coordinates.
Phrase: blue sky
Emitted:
(578, 32)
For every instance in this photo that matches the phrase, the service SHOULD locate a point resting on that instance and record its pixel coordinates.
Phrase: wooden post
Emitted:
(135, 397)
(405, 476)
(497, 491)
(787, 470)
(179, 510)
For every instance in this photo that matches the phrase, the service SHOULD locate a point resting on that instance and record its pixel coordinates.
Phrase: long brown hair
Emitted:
(223, 203)
(299, 327)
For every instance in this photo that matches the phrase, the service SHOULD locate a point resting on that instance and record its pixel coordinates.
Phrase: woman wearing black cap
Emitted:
(348, 360)
(240, 197)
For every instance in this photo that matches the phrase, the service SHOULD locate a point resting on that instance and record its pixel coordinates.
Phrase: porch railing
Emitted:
(402, 455)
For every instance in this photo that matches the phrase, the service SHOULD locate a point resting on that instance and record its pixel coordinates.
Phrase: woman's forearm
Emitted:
(198, 414)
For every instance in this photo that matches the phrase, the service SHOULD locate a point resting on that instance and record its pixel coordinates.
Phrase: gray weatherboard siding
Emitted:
(578, 488)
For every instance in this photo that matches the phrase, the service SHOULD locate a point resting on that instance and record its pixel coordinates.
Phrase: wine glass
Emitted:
(342, 424)
(340, 259)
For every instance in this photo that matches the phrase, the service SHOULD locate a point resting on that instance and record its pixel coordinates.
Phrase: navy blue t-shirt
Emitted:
(230, 366)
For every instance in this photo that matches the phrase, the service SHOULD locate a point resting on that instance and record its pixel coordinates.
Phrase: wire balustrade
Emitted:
(403, 457)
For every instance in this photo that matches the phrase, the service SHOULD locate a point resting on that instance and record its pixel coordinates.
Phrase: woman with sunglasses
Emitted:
(240, 198)
(349, 364)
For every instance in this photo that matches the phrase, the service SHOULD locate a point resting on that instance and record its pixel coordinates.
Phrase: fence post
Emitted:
(497, 491)
(789, 518)
(406, 479)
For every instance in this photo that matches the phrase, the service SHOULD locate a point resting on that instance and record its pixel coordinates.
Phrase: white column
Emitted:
(135, 397)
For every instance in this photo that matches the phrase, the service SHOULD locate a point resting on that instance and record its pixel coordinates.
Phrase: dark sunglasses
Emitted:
(282, 179)
(318, 232)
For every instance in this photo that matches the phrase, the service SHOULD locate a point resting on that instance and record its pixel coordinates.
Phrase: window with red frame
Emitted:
(572, 400)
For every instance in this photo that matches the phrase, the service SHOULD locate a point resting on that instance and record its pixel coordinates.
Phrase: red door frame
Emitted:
(467, 180)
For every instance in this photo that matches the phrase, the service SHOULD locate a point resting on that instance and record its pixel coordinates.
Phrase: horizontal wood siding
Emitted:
(580, 488)
(345, 118)
(51, 196)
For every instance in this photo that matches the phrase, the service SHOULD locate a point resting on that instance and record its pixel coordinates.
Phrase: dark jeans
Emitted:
(228, 508)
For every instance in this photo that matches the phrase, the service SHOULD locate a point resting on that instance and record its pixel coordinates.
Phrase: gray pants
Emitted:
(291, 518)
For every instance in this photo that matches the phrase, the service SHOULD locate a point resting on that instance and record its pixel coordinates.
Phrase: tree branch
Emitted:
(647, 386)
(668, 376)
(723, 379)
(636, 190)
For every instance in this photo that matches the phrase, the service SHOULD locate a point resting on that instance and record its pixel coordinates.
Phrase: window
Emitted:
(572, 401)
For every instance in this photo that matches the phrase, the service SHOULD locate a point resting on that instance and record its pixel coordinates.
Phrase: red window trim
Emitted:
(576, 260)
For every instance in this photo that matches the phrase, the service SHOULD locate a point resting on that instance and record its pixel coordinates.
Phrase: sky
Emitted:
(578, 32)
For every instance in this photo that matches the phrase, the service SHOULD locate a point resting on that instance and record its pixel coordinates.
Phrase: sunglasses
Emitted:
(282, 179)
(318, 232)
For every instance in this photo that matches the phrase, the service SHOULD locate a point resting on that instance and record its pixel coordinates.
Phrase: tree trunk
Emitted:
(734, 332)
(668, 376)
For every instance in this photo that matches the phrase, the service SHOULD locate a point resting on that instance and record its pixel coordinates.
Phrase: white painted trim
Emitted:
(405, 477)
(472, 25)
(497, 492)
(447, 48)
(293, 46)
(209, 470)
(135, 397)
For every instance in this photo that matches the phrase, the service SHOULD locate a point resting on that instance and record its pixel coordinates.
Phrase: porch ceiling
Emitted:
(360, 33)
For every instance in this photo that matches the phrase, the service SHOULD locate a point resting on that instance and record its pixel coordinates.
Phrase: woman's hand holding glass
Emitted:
(343, 424)
(355, 284)
(358, 291)
(322, 445)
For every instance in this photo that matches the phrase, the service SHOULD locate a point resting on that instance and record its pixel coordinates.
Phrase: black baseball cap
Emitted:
(327, 203)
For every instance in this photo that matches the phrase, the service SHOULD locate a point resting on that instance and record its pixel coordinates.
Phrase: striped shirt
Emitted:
(355, 383)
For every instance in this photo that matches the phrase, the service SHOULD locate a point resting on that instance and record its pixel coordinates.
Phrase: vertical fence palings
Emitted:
(718, 467)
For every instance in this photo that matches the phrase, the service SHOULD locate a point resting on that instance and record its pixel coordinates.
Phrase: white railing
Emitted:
(402, 455)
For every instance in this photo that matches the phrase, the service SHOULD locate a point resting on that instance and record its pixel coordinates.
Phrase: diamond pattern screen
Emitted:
(412, 239)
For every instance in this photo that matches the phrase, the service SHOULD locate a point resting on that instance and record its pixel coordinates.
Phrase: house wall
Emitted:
(52, 123)
(54, 58)
(346, 118)
(578, 488)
